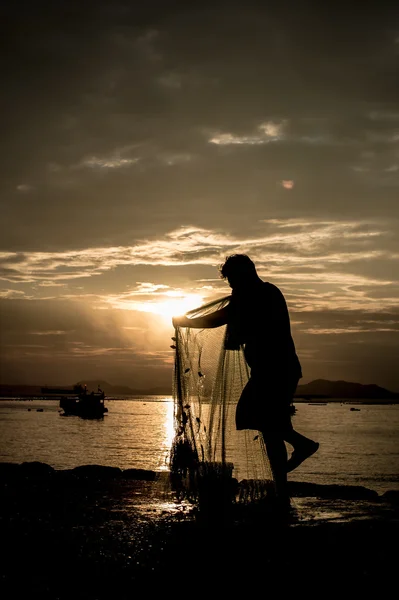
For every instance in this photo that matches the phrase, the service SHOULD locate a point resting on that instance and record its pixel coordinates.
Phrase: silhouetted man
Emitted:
(257, 318)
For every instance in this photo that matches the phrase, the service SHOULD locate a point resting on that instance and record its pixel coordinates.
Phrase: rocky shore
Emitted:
(98, 532)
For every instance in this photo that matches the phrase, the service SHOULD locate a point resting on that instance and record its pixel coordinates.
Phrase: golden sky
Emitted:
(142, 145)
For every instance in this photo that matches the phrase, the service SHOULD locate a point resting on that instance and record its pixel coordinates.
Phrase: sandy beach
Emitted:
(95, 532)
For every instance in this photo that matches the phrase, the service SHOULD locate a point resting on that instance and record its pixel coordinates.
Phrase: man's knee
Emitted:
(272, 437)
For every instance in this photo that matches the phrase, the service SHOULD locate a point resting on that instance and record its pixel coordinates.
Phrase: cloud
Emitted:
(125, 346)
(160, 151)
(146, 43)
(287, 184)
(272, 129)
(348, 330)
(24, 187)
(228, 139)
(267, 132)
(292, 241)
(189, 80)
(56, 332)
(384, 115)
(321, 264)
(108, 163)
(171, 80)
(171, 159)
(11, 294)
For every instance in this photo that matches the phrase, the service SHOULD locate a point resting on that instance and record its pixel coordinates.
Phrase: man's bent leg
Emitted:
(303, 448)
(277, 454)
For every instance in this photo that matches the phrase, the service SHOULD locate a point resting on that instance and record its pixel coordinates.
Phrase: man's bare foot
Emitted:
(298, 456)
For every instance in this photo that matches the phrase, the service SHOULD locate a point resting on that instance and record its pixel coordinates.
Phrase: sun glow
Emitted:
(176, 304)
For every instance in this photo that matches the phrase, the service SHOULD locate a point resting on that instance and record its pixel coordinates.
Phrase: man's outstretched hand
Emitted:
(179, 321)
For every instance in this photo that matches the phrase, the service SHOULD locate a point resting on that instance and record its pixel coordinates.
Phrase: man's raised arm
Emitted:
(215, 319)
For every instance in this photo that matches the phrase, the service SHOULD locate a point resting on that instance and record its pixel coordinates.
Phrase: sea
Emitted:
(359, 443)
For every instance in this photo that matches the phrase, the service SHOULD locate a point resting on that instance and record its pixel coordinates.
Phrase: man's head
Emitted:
(239, 270)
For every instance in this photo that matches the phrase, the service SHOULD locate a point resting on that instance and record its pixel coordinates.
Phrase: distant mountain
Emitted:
(318, 387)
(109, 389)
(344, 389)
(124, 390)
(19, 390)
(312, 391)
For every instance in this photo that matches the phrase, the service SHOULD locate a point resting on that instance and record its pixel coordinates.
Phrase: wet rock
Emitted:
(391, 496)
(97, 472)
(9, 470)
(345, 492)
(64, 476)
(140, 474)
(35, 469)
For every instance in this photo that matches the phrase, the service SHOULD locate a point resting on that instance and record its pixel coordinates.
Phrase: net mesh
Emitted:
(210, 459)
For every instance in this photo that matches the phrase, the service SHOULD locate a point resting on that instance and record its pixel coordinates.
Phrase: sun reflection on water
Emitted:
(169, 428)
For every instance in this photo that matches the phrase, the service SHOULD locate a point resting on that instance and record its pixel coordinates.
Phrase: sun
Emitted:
(172, 304)
(176, 306)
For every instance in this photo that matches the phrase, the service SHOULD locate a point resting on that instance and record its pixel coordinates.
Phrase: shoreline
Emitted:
(36, 470)
(98, 532)
(302, 399)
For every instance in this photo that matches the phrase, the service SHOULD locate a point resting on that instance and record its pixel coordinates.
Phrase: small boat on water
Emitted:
(80, 402)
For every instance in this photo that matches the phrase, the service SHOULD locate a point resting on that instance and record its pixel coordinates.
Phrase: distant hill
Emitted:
(124, 390)
(19, 390)
(323, 388)
(109, 389)
(312, 391)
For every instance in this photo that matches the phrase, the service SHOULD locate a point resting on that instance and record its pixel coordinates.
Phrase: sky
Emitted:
(142, 143)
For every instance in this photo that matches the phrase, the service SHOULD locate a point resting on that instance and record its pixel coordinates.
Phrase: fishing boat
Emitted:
(79, 401)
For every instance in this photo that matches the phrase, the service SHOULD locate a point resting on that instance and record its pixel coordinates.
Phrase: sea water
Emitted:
(357, 447)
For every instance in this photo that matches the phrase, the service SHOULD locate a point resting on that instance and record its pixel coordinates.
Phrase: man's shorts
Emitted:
(266, 405)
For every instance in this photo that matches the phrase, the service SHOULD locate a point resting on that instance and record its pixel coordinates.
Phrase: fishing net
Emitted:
(211, 461)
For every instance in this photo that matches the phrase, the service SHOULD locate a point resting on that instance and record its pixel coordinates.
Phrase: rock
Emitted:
(97, 472)
(9, 470)
(345, 492)
(35, 469)
(391, 496)
(142, 474)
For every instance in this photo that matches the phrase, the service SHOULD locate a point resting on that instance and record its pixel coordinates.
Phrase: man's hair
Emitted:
(237, 264)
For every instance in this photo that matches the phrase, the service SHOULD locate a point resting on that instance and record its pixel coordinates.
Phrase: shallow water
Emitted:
(356, 447)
